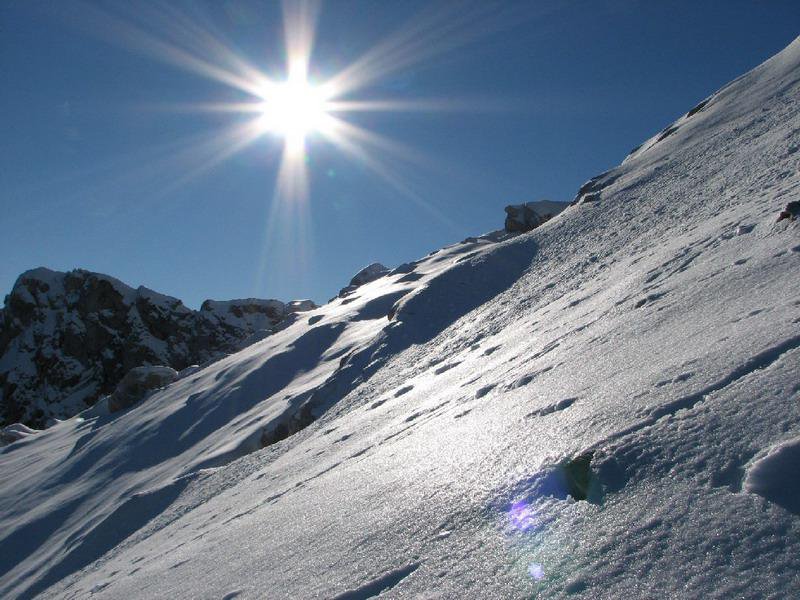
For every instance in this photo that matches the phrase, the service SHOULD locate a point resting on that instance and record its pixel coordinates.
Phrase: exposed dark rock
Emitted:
(137, 383)
(578, 476)
(698, 108)
(792, 211)
(369, 273)
(590, 191)
(666, 132)
(297, 422)
(67, 339)
(365, 275)
(524, 217)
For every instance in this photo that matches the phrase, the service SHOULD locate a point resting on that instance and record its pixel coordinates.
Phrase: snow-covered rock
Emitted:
(15, 431)
(580, 412)
(366, 275)
(590, 191)
(137, 383)
(67, 339)
(252, 312)
(524, 217)
(298, 306)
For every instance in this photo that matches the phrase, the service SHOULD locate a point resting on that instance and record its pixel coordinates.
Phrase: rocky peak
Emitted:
(67, 339)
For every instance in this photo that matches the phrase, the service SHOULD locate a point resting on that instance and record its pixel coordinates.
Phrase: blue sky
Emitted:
(101, 165)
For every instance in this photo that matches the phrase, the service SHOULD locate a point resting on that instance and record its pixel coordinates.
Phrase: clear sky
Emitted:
(108, 164)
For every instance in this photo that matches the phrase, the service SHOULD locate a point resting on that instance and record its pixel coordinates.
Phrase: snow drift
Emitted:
(574, 411)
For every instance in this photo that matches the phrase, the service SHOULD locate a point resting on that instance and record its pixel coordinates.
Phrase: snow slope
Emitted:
(602, 408)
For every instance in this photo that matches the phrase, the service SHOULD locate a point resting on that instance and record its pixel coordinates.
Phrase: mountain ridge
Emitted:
(68, 338)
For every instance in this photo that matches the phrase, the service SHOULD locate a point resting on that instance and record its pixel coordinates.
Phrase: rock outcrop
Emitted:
(67, 339)
(365, 275)
(137, 383)
(524, 217)
(792, 211)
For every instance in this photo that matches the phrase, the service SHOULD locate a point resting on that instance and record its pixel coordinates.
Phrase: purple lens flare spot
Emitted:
(522, 516)
(536, 571)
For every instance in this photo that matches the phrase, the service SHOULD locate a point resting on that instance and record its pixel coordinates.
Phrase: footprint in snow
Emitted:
(377, 586)
(446, 367)
(443, 534)
(527, 379)
(650, 298)
(751, 314)
(471, 381)
(485, 390)
(677, 379)
(403, 390)
(558, 406)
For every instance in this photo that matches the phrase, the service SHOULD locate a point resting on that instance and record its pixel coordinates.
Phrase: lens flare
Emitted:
(536, 571)
(292, 106)
(292, 109)
(521, 516)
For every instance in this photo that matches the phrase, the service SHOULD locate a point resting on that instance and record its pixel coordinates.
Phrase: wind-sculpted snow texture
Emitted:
(568, 412)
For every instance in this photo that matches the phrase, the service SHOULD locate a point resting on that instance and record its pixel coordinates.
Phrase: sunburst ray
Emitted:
(294, 107)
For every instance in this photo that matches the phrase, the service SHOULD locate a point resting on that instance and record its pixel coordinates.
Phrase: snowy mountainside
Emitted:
(605, 407)
(66, 339)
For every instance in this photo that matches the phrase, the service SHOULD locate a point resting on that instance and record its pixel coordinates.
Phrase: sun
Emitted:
(293, 109)
(294, 106)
